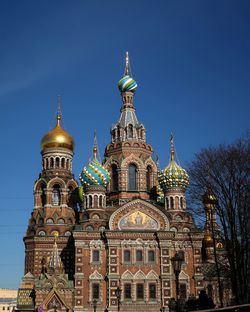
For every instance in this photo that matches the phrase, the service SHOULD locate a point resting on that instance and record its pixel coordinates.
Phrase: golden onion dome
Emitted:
(57, 138)
(208, 240)
(209, 197)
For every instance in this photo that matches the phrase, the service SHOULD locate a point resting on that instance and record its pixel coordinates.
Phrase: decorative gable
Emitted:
(138, 215)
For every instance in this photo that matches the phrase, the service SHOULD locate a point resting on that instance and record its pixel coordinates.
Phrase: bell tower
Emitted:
(55, 203)
(128, 158)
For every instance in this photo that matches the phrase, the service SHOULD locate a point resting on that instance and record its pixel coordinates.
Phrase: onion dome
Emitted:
(94, 173)
(208, 240)
(127, 83)
(209, 198)
(57, 137)
(173, 176)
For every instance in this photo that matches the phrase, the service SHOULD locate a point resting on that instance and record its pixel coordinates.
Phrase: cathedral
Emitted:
(111, 241)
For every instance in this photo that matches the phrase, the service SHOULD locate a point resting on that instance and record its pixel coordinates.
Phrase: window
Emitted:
(151, 256)
(95, 256)
(152, 291)
(56, 195)
(148, 178)
(95, 201)
(130, 131)
(139, 291)
(183, 291)
(127, 291)
(95, 291)
(171, 203)
(181, 202)
(132, 172)
(139, 256)
(90, 201)
(127, 256)
(114, 178)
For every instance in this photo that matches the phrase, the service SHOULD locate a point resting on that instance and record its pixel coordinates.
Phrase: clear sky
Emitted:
(191, 60)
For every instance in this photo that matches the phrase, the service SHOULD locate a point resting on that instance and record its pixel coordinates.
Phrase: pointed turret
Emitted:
(128, 127)
(55, 265)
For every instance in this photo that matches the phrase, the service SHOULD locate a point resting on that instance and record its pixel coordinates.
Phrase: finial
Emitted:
(126, 71)
(58, 109)
(95, 146)
(56, 236)
(172, 146)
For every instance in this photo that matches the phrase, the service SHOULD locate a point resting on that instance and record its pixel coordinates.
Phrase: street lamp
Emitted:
(177, 262)
(118, 293)
(94, 304)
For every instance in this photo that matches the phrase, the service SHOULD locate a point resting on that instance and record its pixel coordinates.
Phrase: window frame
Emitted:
(127, 251)
(95, 291)
(152, 252)
(136, 255)
(94, 253)
(130, 291)
(149, 291)
(139, 291)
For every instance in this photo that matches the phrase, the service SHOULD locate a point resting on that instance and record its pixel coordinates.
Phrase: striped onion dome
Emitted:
(173, 176)
(127, 84)
(94, 173)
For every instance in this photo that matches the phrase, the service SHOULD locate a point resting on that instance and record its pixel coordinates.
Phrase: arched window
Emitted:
(130, 131)
(57, 162)
(51, 162)
(95, 201)
(63, 162)
(43, 195)
(56, 195)
(149, 178)
(171, 202)
(47, 163)
(132, 172)
(67, 164)
(114, 178)
(181, 202)
(90, 201)
(100, 201)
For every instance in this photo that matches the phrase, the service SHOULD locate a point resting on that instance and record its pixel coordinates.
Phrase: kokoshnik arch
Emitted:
(118, 228)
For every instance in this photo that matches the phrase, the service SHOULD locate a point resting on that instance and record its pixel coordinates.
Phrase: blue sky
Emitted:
(190, 60)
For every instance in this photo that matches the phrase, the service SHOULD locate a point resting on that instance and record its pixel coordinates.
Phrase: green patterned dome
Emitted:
(94, 173)
(173, 176)
(127, 84)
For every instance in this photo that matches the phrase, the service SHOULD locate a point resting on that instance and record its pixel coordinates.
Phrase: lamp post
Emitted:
(177, 262)
(94, 304)
(118, 293)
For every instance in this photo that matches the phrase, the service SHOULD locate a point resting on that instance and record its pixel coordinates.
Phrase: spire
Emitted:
(58, 117)
(95, 150)
(55, 262)
(127, 83)
(126, 71)
(172, 152)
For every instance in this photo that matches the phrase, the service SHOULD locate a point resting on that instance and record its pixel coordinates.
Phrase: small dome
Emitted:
(127, 84)
(94, 174)
(173, 176)
(209, 198)
(208, 240)
(57, 138)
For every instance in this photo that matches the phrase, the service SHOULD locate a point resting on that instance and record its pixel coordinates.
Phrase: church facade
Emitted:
(107, 244)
